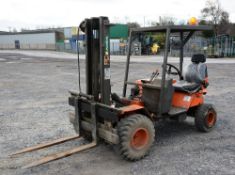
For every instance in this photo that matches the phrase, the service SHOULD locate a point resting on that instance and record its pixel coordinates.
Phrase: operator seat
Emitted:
(194, 75)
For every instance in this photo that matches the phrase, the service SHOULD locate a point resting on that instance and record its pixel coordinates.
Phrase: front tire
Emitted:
(136, 136)
(205, 117)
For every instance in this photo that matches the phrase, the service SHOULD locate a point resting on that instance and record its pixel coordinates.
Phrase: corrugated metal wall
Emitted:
(29, 41)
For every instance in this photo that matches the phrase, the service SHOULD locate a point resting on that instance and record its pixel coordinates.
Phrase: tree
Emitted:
(224, 25)
(206, 34)
(166, 20)
(232, 32)
(153, 23)
(224, 17)
(160, 39)
(214, 13)
(163, 21)
(132, 25)
(24, 29)
(14, 30)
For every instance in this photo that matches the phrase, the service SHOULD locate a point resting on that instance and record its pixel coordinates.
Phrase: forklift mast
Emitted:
(98, 59)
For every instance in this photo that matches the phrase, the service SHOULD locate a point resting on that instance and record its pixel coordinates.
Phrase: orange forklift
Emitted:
(128, 123)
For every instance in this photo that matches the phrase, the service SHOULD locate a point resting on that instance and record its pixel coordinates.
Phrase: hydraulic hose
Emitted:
(79, 71)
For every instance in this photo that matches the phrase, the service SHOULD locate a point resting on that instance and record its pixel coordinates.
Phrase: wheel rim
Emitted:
(210, 118)
(140, 138)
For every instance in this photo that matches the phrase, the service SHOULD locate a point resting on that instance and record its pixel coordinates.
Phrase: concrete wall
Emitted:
(45, 41)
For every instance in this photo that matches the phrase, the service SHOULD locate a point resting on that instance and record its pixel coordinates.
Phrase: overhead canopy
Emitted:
(173, 29)
(181, 29)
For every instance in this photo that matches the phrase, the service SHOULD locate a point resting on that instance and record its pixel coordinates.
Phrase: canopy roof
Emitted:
(173, 29)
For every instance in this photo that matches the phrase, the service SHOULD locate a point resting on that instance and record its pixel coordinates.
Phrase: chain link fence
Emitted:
(220, 46)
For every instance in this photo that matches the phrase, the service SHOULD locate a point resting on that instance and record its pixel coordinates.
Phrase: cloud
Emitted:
(33, 13)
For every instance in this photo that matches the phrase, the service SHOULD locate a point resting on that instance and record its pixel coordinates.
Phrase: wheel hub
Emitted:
(210, 119)
(140, 138)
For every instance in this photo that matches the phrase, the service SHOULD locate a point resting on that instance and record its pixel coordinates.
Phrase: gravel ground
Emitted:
(33, 109)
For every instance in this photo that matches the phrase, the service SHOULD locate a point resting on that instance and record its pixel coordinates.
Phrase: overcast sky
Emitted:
(43, 13)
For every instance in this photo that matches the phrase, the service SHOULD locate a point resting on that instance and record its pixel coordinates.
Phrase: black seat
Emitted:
(185, 86)
(194, 75)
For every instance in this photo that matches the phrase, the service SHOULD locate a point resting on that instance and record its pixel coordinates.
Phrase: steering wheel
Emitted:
(168, 71)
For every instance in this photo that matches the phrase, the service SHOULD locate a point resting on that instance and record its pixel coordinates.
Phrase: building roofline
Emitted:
(32, 32)
(1, 32)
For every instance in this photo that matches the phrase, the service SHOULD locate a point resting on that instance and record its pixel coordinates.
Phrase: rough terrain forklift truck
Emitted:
(128, 122)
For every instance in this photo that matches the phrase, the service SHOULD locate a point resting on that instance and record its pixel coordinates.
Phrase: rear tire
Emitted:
(136, 136)
(205, 117)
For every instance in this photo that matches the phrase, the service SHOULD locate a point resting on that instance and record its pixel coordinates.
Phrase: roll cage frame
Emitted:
(185, 32)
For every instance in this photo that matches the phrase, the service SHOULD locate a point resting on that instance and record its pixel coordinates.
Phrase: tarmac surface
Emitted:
(33, 109)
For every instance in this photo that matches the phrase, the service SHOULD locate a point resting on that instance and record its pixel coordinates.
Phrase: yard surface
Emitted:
(33, 109)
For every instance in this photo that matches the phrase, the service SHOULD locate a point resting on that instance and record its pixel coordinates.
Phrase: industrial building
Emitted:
(36, 40)
(61, 39)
